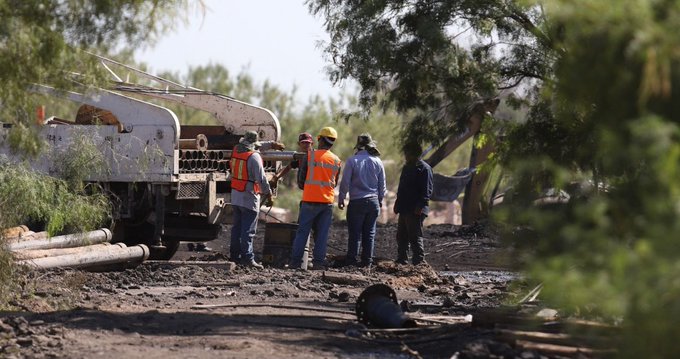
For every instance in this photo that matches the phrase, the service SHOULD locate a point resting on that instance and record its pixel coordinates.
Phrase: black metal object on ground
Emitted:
(377, 306)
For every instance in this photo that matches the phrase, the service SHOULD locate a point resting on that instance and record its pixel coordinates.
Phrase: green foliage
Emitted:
(595, 81)
(6, 275)
(28, 197)
(606, 122)
(80, 159)
(412, 51)
(43, 42)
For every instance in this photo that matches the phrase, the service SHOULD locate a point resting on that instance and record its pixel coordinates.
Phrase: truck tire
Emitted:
(133, 234)
(177, 228)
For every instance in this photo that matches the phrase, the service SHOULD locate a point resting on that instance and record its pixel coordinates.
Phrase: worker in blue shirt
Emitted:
(413, 196)
(364, 179)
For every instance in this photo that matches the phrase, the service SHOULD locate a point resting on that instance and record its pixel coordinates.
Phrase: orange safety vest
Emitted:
(322, 169)
(239, 171)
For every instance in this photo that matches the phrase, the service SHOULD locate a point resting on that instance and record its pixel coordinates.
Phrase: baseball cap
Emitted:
(305, 137)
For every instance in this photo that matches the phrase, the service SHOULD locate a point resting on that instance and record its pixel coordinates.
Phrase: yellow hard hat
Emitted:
(328, 132)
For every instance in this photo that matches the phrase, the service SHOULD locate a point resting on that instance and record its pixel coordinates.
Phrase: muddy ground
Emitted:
(214, 310)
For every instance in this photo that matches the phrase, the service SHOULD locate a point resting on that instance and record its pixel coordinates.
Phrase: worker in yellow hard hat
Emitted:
(320, 173)
(329, 132)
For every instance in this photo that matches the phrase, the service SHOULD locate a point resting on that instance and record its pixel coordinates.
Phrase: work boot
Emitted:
(253, 264)
(318, 266)
(401, 261)
(202, 247)
(350, 262)
(364, 264)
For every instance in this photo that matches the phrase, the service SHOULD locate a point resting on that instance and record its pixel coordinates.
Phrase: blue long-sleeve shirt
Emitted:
(415, 188)
(363, 177)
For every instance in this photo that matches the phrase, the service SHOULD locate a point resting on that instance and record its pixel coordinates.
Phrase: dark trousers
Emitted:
(312, 215)
(242, 234)
(410, 235)
(362, 215)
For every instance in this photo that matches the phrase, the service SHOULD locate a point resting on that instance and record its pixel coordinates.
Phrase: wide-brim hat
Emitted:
(250, 139)
(365, 140)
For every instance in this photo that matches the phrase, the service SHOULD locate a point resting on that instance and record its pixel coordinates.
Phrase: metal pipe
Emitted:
(285, 156)
(221, 142)
(65, 241)
(24, 254)
(199, 143)
(28, 236)
(33, 236)
(274, 155)
(117, 253)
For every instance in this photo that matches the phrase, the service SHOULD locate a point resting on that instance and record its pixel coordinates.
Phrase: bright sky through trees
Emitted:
(275, 40)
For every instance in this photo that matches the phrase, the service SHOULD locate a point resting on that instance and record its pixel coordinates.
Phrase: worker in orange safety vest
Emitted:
(320, 171)
(248, 182)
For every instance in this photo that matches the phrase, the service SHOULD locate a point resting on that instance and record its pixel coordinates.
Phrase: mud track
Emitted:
(213, 310)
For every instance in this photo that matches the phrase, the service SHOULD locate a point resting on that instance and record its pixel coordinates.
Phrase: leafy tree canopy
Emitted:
(598, 82)
(43, 42)
(436, 57)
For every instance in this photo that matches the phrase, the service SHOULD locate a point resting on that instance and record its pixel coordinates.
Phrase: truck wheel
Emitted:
(140, 234)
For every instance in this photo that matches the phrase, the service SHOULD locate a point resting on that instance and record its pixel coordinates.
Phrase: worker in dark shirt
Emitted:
(413, 196)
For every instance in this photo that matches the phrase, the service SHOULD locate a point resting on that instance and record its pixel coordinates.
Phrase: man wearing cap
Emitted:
(413, 196)
(248, 181)
(320, 171)
(364, 179)
(305, 142)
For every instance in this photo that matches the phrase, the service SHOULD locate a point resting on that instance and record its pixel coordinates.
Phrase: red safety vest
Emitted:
(239, 171)
(322, 170)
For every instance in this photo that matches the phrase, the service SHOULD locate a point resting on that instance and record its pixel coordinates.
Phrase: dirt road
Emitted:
(162, 310)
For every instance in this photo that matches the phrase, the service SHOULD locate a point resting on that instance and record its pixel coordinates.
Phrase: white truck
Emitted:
(168, 182)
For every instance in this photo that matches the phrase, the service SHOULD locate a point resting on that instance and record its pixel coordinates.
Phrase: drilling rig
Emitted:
(167, 182)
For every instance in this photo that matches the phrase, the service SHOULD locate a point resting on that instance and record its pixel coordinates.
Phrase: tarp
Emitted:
(448, 188)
